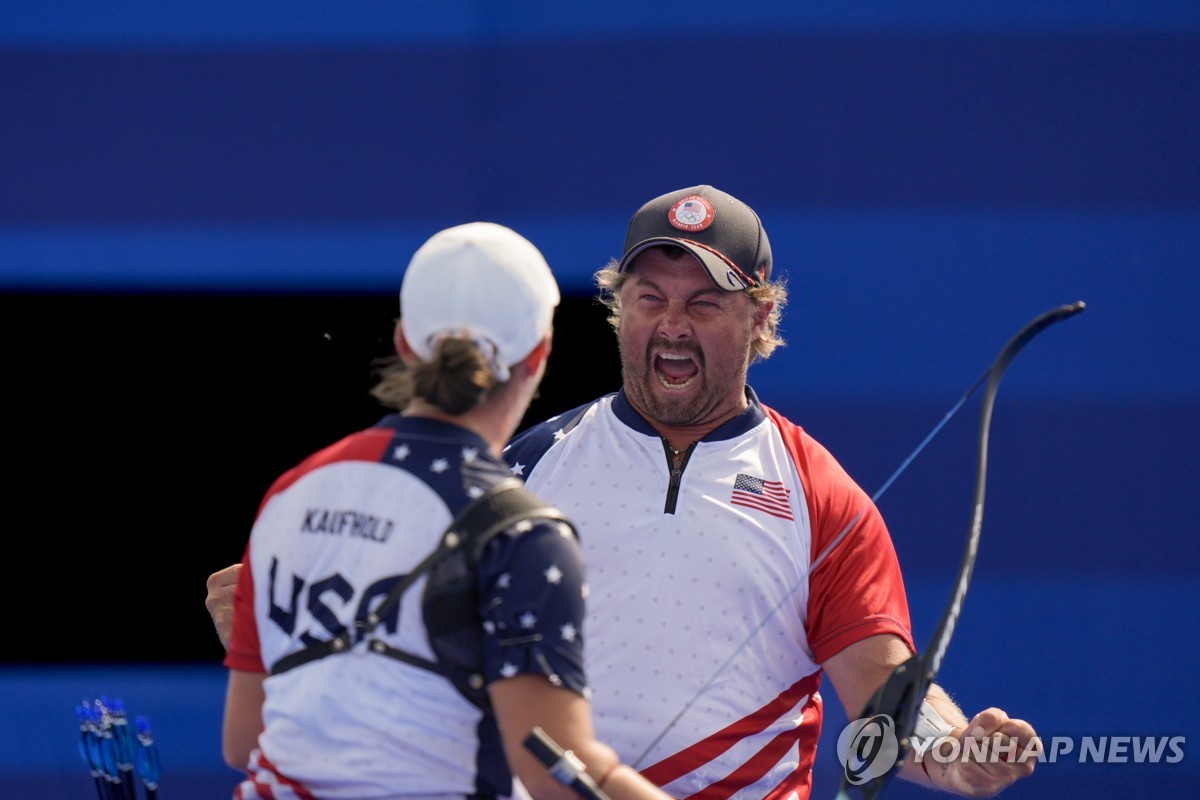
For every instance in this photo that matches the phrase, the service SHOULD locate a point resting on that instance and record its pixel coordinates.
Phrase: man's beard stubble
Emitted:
(701, 405)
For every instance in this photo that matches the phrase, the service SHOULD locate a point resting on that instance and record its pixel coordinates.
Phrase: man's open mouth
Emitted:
(675, 370)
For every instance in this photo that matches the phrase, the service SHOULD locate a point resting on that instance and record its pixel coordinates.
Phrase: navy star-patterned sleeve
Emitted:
(532, 596)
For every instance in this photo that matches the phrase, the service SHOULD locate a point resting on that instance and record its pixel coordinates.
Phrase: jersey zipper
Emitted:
(676, 474)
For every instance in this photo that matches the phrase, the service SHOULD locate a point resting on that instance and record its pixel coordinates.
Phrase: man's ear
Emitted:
(762, 312)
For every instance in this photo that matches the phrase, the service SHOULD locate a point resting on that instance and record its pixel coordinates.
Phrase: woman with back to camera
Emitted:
(337, 690)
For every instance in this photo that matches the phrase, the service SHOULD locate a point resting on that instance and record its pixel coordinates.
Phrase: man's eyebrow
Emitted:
(650, 283)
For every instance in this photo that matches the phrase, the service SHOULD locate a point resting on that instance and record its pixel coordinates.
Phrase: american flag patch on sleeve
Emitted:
(764, 495)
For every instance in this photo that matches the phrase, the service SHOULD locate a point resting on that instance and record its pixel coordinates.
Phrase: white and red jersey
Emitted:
(703, 603)
(332, 536)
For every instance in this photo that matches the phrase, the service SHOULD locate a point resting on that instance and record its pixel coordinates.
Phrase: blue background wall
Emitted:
(932, 176)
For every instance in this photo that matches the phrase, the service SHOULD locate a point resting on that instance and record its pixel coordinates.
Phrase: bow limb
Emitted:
(901, 695)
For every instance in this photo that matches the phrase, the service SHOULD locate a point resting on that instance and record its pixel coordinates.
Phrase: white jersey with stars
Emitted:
(706, 627)
(331, 538)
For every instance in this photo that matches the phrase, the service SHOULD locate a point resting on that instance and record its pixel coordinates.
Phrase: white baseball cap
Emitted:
(480, 281)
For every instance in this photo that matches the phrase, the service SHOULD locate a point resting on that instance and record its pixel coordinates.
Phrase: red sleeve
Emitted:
(244, 653)
(857, 591)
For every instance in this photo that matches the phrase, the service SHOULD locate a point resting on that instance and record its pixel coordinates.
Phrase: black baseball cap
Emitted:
(722, 232)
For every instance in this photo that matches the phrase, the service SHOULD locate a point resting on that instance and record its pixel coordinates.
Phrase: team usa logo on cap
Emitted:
(692, 213)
